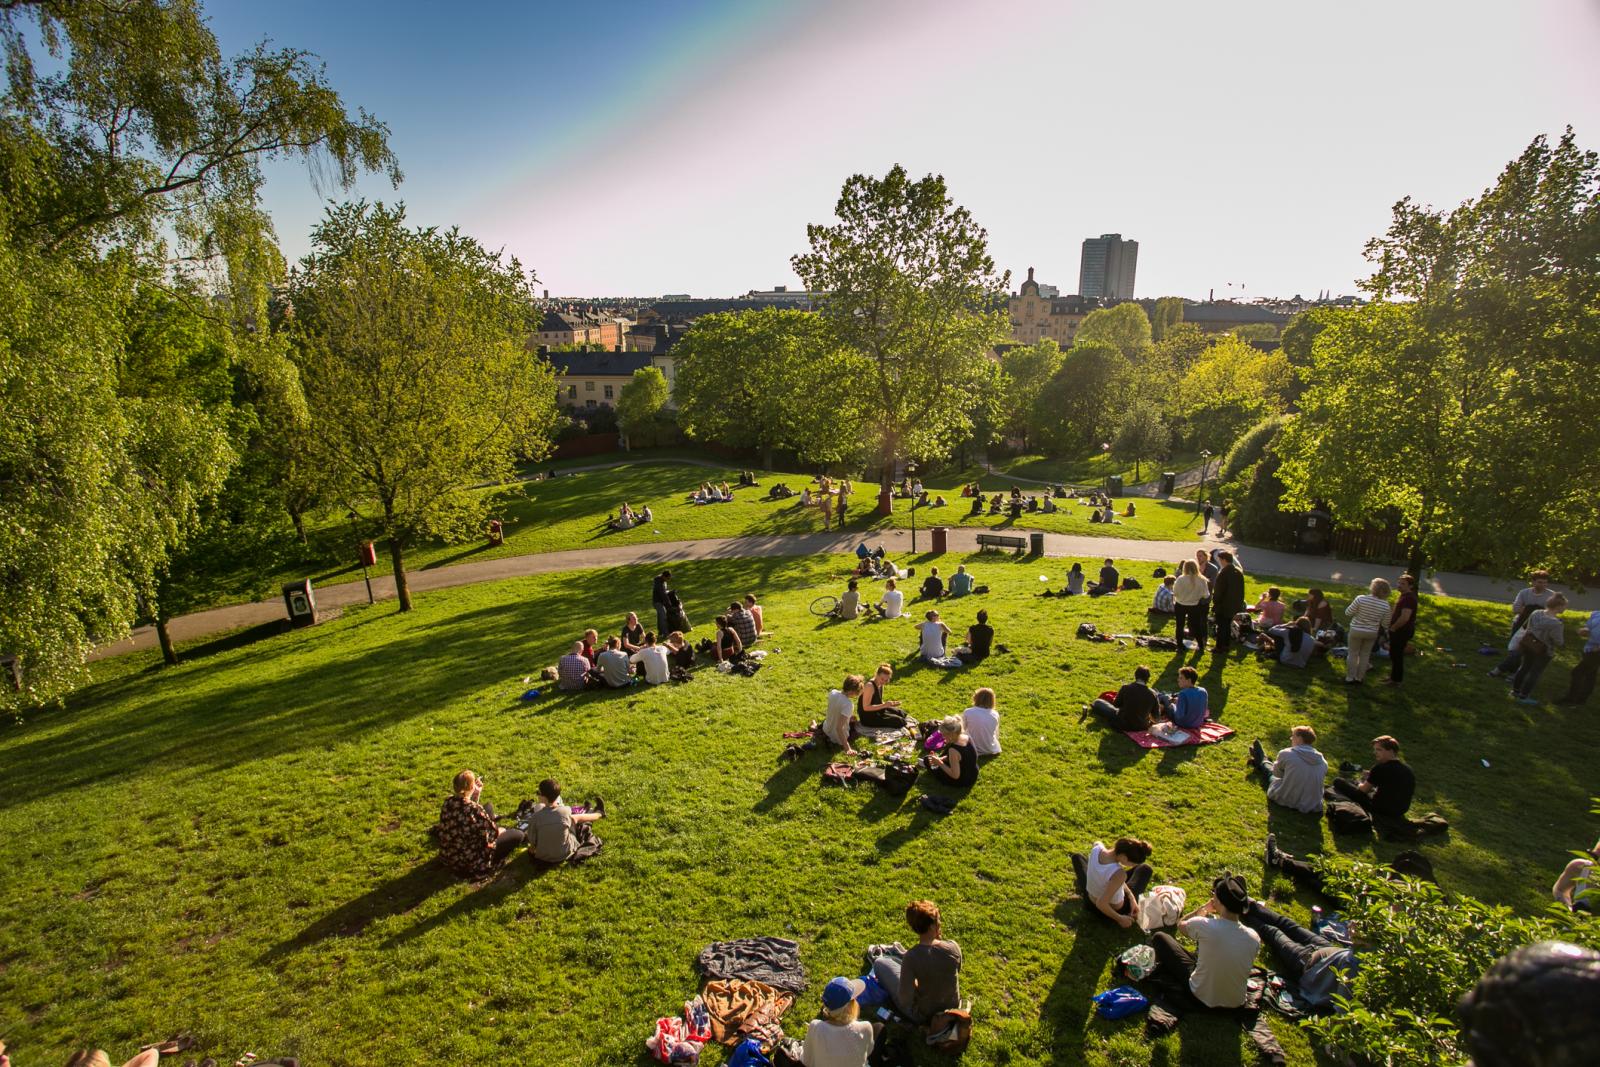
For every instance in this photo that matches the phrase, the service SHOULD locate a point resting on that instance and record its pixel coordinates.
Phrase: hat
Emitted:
(841, 991)
(1231, 893)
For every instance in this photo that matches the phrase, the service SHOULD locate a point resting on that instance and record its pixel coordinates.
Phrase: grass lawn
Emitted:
(1088, 470)
(238, 846)
(570, 512)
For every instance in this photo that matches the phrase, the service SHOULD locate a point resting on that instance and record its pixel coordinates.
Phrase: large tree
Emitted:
(418, 376)
(641, 399)
(1027, 369)
(1470, 381)
(130, 163)
(1125, 327)
(910, 286)
(1231, 387)
(770, 380)
(1082, 405)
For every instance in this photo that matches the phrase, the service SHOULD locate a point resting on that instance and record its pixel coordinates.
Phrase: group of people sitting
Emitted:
(635, 654)
(627, 518)
(961, 584)
(961, 739)
(712, 494)
(472, 843)
(1137, 707)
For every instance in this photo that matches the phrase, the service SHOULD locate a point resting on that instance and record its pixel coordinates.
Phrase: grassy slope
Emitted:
(570, 512)
(238, 846)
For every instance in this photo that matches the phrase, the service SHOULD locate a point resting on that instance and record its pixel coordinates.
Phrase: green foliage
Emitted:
(1167, 315)
(1471, 377)
(1125, 327)
(1300, 333)
(1420, 953)
(641, 399)
(1026, 372)
(768, 380)
(1255, 331)
(1142, 437)
(419, 382)
(911, 292)
(1230, 387)
(1251, 446)
(1081, 406)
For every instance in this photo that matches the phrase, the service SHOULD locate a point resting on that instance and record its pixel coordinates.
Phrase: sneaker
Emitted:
(1495, 673)
(1533, 701)
(1257, 753)
(1274, 854)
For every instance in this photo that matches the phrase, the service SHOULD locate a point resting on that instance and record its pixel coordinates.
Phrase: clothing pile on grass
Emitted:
(748, 986)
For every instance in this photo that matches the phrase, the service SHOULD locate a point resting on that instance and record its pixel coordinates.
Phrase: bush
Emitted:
(1420, 952)
(660, 431)
(1249, 449)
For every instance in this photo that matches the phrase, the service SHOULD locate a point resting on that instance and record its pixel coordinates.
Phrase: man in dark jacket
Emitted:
(1227, 598)
(1136, 704)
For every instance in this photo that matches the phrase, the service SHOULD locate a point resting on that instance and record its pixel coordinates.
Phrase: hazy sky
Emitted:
(637, 147)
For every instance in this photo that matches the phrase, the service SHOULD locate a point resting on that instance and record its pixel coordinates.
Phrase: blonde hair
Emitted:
(464, 783)
(884, 668)
(843, 1016)
(1190, 567)
(952, 725)
(1380, 588)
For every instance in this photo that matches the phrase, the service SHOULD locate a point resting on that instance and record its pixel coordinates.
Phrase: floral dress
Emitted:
(466, 837)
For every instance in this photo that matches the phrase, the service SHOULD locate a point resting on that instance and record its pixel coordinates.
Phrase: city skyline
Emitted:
(641, 149)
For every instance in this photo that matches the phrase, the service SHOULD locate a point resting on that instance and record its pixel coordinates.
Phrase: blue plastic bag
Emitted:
(874, 994)
(748, 1054)
(1119, 1003)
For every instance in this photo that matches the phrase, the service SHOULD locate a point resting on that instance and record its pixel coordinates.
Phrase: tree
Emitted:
(1125, 327)
(1470, 378)
(911, 287)
(641, 399)
(1026, 370)
(768, 380)
(1080, 406)
(1229, 388)
(1255, 331)
(131, 166)
(1141, 436)
(419, 381)
(1168, 313)
(1300, 332)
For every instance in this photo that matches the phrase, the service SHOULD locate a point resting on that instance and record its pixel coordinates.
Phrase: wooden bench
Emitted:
(991, 540)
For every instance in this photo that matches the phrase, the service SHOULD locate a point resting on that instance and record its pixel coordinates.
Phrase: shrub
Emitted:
(1249, 449)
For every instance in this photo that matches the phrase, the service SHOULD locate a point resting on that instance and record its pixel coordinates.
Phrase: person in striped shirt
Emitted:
(1367, 614)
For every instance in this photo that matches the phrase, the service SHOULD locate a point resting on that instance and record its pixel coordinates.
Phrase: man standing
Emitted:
(1218, 972)
(1537, 644)
(1386, 790)
(1529, 600)
(1227, 599)
(1581, 684)
(1205, 524)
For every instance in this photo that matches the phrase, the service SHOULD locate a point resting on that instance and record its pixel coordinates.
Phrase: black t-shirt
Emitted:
(1109, 578)
(1395, 784)
(932, 586)
(1136, 706)
(982, 637)
(969, 764)
(633, 636)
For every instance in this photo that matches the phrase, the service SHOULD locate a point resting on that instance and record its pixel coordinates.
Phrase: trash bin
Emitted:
(497, 532)
(1113, 485)
(941, 543)
(1036, 543)
(885, 502)
(1169, 482)
(1311, 536)
(300, 602)
(369, 554)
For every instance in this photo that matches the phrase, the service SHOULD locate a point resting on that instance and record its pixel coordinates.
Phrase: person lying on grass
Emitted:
(980, 639)
(982, 723)
(874, 705)
(1188, 708)
(470, 842)
(1294, 642)
(957, 764)
(927, 979)
(1110, 880)
(558, 832)
(1321, 967)
(837, 724)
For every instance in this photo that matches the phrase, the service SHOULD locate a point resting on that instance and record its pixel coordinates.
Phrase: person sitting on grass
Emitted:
(932, 585)
(624, 519)
(559, 833)
(613, 665)
(1319, 610)
(743, 623)
(1049, 506)
(837, 724)
(757, 616)
(1294, 642)
(839, 1037)
(934, 636)
(891, 602)
(591, 645)
(927, 979)
(957, 765)
(572, 670)
(1130, 511)
(1110, 580)
(680, 654)
(849, 606)
(1218, 973)
(874, 705)
(982, 722)
(805, 497)
(646, 517)
(726, 646)
(1165, 602)
(1295, 778)
(977, 506)
(1269, 608)
(960, 581)
(1110, 880)
(1386, 789)
(1579, 885)
(1135, 706)
(632, 634)
(1075, 580)
(1189, 705)
(1320, 967)
(980, 639)
(1108, 513)
(995, 503)
(653, 659)
(470, 842)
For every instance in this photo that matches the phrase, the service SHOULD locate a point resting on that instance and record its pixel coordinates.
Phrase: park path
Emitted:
(1310, 569)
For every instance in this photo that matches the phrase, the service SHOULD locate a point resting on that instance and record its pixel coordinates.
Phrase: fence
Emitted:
(593, 444)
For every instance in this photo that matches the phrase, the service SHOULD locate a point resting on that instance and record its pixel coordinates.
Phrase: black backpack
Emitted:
(1348, 817)
(898, 778)
(1087, 629)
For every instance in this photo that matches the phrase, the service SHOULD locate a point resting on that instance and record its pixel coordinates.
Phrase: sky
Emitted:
(642, 147)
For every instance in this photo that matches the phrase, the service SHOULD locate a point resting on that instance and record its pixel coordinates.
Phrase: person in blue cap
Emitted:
(838, 1038)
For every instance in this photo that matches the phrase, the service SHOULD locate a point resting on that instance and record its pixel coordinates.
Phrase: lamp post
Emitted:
(1205, 464)
(911, 473)
(361, 554)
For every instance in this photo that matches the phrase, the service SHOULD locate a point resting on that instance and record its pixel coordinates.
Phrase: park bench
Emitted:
(991, 540)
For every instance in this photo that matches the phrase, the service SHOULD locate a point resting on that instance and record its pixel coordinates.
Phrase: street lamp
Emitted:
(361, 554)
(1205, 463)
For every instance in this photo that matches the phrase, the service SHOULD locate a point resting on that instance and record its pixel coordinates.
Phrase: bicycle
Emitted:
(825, 605)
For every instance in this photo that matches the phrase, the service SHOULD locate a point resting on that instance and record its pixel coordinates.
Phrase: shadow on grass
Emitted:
(445, 561)
(394, 897)
(786, 779)
(510, 878)
(228, 642)
(1067, 1012)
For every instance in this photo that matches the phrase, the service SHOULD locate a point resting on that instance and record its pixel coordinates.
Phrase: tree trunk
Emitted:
(299, 520)
(168, 652)
(401, 590)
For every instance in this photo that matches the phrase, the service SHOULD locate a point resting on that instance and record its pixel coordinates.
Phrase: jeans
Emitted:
(662, 621)
(1138, 881)
(1581, 684)
(1102, 706)
(1174, 961)
(1302, 874)
(1527, 675)
(1190, 621)
(1398, 640)
(1292, 945)
(1358, 655)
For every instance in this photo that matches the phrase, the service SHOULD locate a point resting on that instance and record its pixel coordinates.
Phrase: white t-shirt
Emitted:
(891, 602)
(654, 658)
(932, 639)
(827, 1045)
(983, 726)
(837, 723)
(1101, 868)
(1226, 951)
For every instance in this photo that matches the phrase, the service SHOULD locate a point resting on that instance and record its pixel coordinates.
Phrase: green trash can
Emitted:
(1113, 485)
(1169, 482)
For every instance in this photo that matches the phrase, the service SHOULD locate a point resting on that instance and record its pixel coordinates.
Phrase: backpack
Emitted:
(950, 1031)
(838, 774)
(1413, 864)
(1131, 583)
(898, 778)
(1119, 1003)
(1087, 629)
(1348, 817)
(868, 772)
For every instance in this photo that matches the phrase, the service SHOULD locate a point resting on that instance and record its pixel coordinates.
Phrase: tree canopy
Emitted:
(641, 399)
(1125, 327)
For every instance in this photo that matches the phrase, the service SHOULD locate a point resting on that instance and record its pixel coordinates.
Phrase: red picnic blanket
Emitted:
(1209, 733)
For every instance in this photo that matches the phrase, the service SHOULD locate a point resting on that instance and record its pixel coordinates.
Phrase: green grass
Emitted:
(238, 846)
(570, 512)
(1088, 470)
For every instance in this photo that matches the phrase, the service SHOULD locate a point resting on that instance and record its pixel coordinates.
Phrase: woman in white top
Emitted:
(1189, 595)
(839, 1038)
(1367, 613)
(934, 636)
(1111, 880)
(892, 601)
(982, 723)
(841, 707)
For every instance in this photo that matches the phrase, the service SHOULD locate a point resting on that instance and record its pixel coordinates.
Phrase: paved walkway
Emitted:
(1321, 569)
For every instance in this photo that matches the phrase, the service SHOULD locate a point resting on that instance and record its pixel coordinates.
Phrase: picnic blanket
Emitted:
(740, 1009)
(1209, 733)
(772, 960)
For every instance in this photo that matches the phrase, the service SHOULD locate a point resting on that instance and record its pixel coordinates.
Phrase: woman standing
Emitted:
(660, 596)
(1189, 594)
(1367, 613)
(1402, 627)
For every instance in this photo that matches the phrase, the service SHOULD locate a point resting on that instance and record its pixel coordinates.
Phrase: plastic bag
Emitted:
(1119, 1003)
(1137, 962)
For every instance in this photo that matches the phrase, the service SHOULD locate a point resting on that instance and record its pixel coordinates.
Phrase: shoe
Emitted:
(1495, 673)
(1390, 681)
(1274, 854)
(1531, 701)
(1257, 753)
(1348, 768)
(598, 806)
